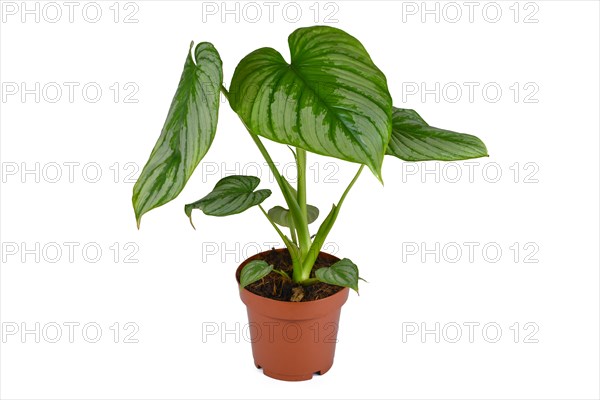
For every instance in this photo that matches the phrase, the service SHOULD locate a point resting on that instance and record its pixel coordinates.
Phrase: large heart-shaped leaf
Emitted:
(414, 140)
(281, 216)
(342, 273)
(187, 134)
(331, 99)
(253, 271)
(231, 195)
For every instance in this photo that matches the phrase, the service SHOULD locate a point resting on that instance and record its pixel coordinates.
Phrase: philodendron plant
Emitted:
(330, 99)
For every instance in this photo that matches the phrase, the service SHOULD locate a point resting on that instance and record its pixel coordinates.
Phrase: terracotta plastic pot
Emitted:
(291, 341)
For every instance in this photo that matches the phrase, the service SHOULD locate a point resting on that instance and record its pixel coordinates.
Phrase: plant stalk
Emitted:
(290, 245)
(290, 199)
(309, 261)
(301, 188)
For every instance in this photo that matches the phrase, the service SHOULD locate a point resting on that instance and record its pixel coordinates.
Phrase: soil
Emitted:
(277, 287)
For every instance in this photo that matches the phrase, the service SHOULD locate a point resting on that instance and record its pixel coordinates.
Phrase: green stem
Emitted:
(291, 247)
(284, 185)
(350, 186)
(304, 238)
(293, 231)
(225, 92)
(309, 281)
(309, 261)
(293, 235)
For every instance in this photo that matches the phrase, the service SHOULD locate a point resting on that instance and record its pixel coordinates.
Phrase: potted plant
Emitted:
(332, 100)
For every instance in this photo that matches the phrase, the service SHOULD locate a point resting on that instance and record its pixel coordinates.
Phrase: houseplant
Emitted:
(331, 99)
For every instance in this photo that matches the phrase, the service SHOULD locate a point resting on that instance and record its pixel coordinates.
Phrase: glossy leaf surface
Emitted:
(330, 99)
(281, 216)
(414, 140)
(231, 195)
(253, 271)
(342, 273)
(187, 134)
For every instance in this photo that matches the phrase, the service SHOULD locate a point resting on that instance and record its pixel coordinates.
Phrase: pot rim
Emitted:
(342, 293)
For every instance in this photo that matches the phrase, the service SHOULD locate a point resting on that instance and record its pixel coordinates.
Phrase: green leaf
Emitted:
(331, 99)
(253, 271)
(342, 273)
(414, 140)
(282, 216)
(231, 195)
(187, 134)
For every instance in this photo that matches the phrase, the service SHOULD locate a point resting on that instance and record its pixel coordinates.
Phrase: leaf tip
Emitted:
(188, 211)
(138, 218)
(136, 209)
(377, 173)
(191, 222)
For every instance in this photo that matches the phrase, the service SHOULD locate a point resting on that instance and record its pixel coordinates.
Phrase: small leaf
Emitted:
(414, 140)
(342, 273)
(282, 216)
(231, 195)
(187, 134)
(253, 271)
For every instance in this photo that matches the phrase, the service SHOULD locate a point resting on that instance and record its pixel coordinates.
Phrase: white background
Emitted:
(183, 281)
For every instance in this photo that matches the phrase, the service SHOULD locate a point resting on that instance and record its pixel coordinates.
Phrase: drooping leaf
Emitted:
(330, 99)
(187, 134)
(414, 140)
(281, 216)
(342, 273)
(231, 195)
(253, 271)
